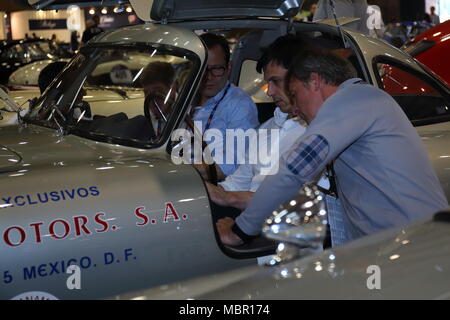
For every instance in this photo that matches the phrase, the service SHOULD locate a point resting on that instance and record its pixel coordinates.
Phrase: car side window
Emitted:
(418, 97)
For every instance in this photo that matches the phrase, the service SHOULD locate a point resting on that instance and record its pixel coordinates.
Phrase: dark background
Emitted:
(392, 10)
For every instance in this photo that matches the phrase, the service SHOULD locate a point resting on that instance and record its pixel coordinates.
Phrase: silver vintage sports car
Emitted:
(87, 176)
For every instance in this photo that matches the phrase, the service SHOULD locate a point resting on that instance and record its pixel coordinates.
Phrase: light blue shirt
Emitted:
(384, 176)
(235, 111)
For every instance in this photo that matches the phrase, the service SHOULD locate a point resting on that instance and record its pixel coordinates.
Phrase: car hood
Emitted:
(9, 159)
(35, 146)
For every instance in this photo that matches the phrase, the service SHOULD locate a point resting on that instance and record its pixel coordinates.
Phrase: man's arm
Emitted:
(273, 191)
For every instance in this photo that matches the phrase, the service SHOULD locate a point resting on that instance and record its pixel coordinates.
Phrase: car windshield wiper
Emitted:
(11, 106)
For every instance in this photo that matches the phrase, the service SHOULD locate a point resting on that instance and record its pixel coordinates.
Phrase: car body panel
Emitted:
(372, 47)
(413, 262)
(436, 139)
(167, 35)
(7, 158)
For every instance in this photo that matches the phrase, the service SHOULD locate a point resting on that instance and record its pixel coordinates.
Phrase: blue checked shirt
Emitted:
(235, 111)
(307, 155)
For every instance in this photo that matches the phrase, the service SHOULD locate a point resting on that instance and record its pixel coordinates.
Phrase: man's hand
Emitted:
(235, 199)
(227, 236)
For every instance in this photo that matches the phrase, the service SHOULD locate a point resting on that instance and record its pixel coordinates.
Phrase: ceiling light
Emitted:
(129, 10)
(119, 9)
(104, 11)
(92, 11)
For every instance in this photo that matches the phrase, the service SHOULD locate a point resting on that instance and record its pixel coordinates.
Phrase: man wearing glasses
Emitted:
(221, 105)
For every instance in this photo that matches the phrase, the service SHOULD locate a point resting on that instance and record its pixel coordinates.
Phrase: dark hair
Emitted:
(211, 40)
(284, 49)
(158, 71)
(331, 68)
(282, 52)
(49, 73)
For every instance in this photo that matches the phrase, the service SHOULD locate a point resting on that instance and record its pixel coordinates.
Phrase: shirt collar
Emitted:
(279, 117)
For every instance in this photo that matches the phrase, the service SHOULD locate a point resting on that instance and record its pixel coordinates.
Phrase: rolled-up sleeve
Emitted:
(240, 180)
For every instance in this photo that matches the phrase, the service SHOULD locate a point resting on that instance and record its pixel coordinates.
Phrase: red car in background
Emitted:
(432, 48)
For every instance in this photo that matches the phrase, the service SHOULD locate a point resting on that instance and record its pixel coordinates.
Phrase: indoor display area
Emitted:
(209, 152)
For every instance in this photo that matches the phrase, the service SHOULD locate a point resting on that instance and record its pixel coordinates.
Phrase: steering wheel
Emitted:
(84, 109)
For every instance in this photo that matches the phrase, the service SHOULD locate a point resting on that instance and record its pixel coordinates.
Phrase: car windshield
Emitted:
(125, 95)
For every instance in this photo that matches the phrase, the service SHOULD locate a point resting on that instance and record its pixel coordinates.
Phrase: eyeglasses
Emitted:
(216, 71)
